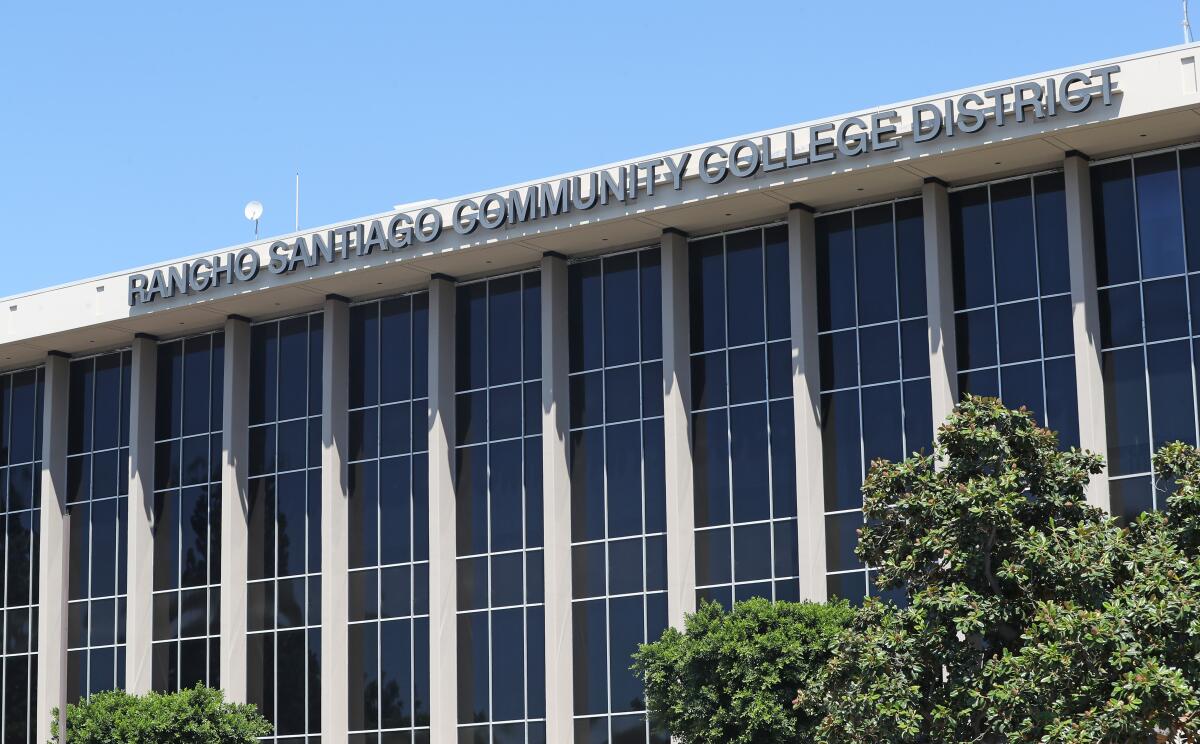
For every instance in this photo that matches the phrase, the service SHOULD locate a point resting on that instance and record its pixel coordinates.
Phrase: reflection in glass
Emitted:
(1018, 227)
(187, 512)
(618, 553)
(1146, 213)
(388, 659)
(501, 669)
(743, 452)
(283, 614)
(97, 487)
(20, 473)
(874, 360)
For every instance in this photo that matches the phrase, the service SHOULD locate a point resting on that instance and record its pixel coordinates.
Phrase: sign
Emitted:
(848, 138)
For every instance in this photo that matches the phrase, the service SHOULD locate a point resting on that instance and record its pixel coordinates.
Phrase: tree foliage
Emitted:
(1031, 616)
(196, 716)
(729, 678)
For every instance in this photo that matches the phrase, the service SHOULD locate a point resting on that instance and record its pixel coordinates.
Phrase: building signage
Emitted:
(966, 114)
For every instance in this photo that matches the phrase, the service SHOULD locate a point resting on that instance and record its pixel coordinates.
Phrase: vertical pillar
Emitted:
(443, 624)
(677, 428)
(53, 550)
(335, 491)
(1085, 318)
(556, 498)
(139, 617)
(806, 402)
(235, 506)
(939, 299)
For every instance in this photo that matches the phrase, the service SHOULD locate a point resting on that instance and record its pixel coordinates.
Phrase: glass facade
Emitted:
(501, 616)
(618, 502)
(388, 543)
(1011, 279)
(1012, 311)
(187, 513)
(20, 478)
(97, 492)
(742, 419)
(874, 359)
(1146, 212)
(283, 645)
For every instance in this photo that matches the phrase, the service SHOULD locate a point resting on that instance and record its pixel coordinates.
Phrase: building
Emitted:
(431, 475)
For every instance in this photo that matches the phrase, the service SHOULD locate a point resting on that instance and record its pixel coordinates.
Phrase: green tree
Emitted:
(729, 678)
(196, 716)
(1031, 616)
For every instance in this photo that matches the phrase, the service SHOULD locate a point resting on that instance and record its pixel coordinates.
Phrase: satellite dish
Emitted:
(253, 210)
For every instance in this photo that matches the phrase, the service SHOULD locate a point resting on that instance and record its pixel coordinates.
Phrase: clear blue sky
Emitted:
(133, 136)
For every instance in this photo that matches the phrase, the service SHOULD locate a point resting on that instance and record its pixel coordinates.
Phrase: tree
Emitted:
(196, 716)
(1030, 615)
(729, 678)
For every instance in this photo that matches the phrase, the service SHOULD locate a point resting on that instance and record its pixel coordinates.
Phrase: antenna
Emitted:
(1187, 27)
(297, 201)
(253, 211)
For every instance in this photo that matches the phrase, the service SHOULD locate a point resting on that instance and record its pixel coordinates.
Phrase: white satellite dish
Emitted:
(253, 211)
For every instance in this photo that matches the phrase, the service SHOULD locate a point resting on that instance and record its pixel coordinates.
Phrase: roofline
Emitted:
(583, 171)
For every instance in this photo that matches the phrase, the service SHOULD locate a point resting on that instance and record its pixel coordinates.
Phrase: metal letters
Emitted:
(851, 137)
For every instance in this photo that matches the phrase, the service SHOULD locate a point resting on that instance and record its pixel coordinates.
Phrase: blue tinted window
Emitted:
(1115, 223)
(874, 363)
(1160, 222)
(617, 490)
(971, 241)
(498, 489)
(1000, 350)
(21, 402)
(97, 487)
(389, 522)
(1013, 240)
(187, 505)
(284, 514)
(743, 455)
(1147, 233)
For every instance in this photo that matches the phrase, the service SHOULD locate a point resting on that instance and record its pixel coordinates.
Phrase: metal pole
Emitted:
(297, 201)
(1187, 27)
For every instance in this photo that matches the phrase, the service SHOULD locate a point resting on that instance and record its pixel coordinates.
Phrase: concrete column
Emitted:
(335, 491)
(939, 300)
(556, 499)
(139, 615)
(235, 506)
(1085, 318)
(53, 550)
(806, 402)
(677, 428)
(443, 624)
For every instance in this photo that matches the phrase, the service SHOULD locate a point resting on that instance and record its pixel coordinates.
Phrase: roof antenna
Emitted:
(1187, 27)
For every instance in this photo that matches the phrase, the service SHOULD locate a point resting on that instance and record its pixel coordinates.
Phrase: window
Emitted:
(501, 616)
(187, 513)
(388, 539)
(618, 501)
(97, 492)
(20, 476)
(283, 645)
(1146, 213)
(1012, 298)
(743, 427)
(874, 359)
